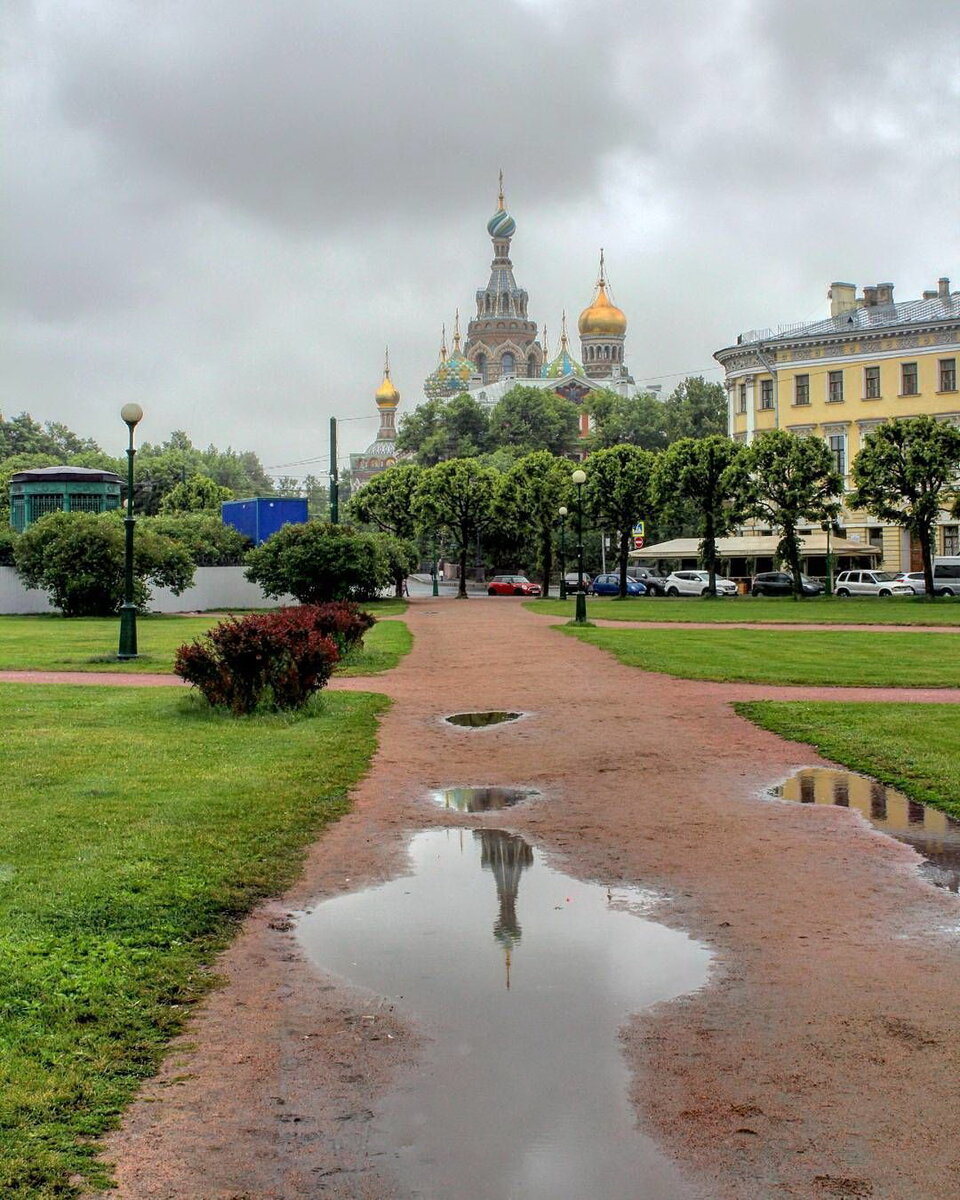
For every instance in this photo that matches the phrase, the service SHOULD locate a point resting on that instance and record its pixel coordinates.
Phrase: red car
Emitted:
(512, 585)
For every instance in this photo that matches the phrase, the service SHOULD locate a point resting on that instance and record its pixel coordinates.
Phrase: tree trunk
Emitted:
(546, 558)
(464, 550)
(793, 553)
(398, 578)
(710, 549)
(624, 550)
(926, 551)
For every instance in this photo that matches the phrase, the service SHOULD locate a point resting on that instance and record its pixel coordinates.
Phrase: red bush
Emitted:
(279, 658)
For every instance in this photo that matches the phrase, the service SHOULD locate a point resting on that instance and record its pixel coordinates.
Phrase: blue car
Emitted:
(609, 585)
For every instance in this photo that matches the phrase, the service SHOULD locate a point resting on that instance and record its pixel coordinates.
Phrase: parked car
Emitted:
(697, 583)
(870, 583)
(780, 583)
(914, 581)
(655, 584)
(946, 581)
(609, 585)
(571, 581)
(512, 585)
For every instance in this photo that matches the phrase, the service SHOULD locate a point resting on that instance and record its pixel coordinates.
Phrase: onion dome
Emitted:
(501, 224)
(564, 363)
(386, 394)
(454, 371)
(602, 317)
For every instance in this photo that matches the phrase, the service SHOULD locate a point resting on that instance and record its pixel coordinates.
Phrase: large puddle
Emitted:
(522, 978)
(934, 835)
(479, 720)
(481, 799)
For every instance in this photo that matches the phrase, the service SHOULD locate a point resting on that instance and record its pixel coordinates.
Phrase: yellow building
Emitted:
(871, 359)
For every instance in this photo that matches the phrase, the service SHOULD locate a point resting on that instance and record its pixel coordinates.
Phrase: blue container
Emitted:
(262, 516)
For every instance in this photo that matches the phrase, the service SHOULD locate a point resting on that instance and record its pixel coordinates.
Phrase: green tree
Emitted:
(626, 420)
(386, 502)
(79, 559)
(402, 557)
(457, 496)
(10, 466)
(528, 498)
(442, 429)
(206, 539)
(24, 435)
(695, 409)
(618, 493)
(197, 494)
(785, 480)
(907, 470)
(530, 418)
(317, 562)
(694, 473)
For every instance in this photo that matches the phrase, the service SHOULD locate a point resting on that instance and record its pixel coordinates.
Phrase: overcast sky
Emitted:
(225, 209)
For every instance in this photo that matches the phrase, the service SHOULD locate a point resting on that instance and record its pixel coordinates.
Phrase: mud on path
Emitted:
(821, 1060)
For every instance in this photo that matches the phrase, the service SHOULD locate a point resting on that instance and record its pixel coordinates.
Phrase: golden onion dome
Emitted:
(602, 317)
(386, 394)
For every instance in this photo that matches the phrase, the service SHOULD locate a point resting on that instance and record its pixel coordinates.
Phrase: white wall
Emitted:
(213, 588)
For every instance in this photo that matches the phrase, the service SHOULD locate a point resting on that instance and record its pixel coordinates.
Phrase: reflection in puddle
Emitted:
(475, 720)
(481, 799)
(932, 833)
(522, 982)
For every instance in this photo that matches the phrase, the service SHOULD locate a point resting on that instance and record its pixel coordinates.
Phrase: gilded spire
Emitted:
(546, 347)
(563, 332)
(456, 332)
(386, 393)
(601, 282)
(500, 205)
(443, 342)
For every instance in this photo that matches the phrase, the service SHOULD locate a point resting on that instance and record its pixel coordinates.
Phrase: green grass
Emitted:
(913, 747)
(832, 657)
(54, 643)
(852, 610)
(383, 647)
(137, 828)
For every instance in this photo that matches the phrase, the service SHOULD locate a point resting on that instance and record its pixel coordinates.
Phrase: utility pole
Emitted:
(334, 481)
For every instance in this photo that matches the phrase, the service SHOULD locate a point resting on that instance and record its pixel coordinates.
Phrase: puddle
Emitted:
(475, 720)
(481, 799)
(522, 978)
(932, 833)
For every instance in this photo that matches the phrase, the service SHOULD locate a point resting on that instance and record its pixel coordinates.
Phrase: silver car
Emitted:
(696, 583)
(870, 583)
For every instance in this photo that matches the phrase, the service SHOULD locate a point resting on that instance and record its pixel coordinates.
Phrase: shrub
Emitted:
(209, 542)
(79, 559)
(317, 562)
(276, 659)
(8, 540)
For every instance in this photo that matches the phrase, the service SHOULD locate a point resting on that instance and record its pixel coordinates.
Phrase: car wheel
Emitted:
(842, 592)
(946, 591)
(756, 591)
(705, 591)
(491, 592)
(884, 592)
(672, 591)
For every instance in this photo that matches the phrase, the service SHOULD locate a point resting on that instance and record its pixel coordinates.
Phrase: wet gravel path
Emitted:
(821, 1059)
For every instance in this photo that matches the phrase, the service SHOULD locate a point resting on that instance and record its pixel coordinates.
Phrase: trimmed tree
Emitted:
(694, 475)
(79, 559)
(530, 418)
(386, 502)
(786, 480)
(317, 562)
(528, 499)
(200, 493)
(907, 471)
(457, 496)
(618, 493)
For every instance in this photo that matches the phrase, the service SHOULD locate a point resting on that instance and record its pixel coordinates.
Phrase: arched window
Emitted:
(532, 366)
(508, 366)
(482, 367)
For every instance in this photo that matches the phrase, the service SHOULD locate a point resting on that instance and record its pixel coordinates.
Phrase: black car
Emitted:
(655, 584)
(780, 583)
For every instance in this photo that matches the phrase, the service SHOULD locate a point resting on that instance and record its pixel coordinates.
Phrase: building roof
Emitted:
(65, 474)
(870, 318)
(756, 546)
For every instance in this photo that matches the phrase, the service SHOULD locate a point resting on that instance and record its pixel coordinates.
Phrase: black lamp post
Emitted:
(580, 616)
(563, 551)
(132, 414)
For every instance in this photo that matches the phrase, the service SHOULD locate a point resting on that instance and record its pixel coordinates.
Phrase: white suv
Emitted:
(870, 583)
(696, 583)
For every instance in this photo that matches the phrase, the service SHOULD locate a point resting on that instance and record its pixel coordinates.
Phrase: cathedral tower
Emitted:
(501, 339)
(603, 330)
(382, 452)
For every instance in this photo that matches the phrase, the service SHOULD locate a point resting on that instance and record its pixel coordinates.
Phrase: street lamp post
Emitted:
(579, 478)
(132, 414)
(563, 551)
(433, 570)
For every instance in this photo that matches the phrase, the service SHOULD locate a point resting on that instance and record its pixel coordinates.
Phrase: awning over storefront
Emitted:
(758, 547)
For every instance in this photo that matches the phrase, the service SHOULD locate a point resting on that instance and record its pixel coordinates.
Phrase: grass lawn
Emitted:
(830, 657)
(54, 643)
(137, 828)
(852, 610)
(913, 747)
(383, 647)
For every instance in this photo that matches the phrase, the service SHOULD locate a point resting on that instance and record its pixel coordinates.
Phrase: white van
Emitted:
(946, 575)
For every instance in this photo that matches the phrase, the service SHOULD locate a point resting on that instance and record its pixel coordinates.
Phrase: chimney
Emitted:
(943, 288)
(842, 297)
(870, 296)
(884, 293)
(929, 295)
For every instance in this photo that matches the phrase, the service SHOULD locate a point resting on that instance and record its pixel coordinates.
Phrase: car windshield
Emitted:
(884, 576)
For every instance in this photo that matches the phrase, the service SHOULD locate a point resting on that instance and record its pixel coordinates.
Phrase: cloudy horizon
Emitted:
(225, 210)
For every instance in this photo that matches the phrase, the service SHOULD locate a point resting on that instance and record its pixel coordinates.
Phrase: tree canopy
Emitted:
(907, 471)
(386, 500)
(626, 420)
(619, 492)
(695, 409)
(531, 418)
(528, 500)
(457, 496)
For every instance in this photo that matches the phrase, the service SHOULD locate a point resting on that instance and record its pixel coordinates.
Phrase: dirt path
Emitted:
(821, 1061)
